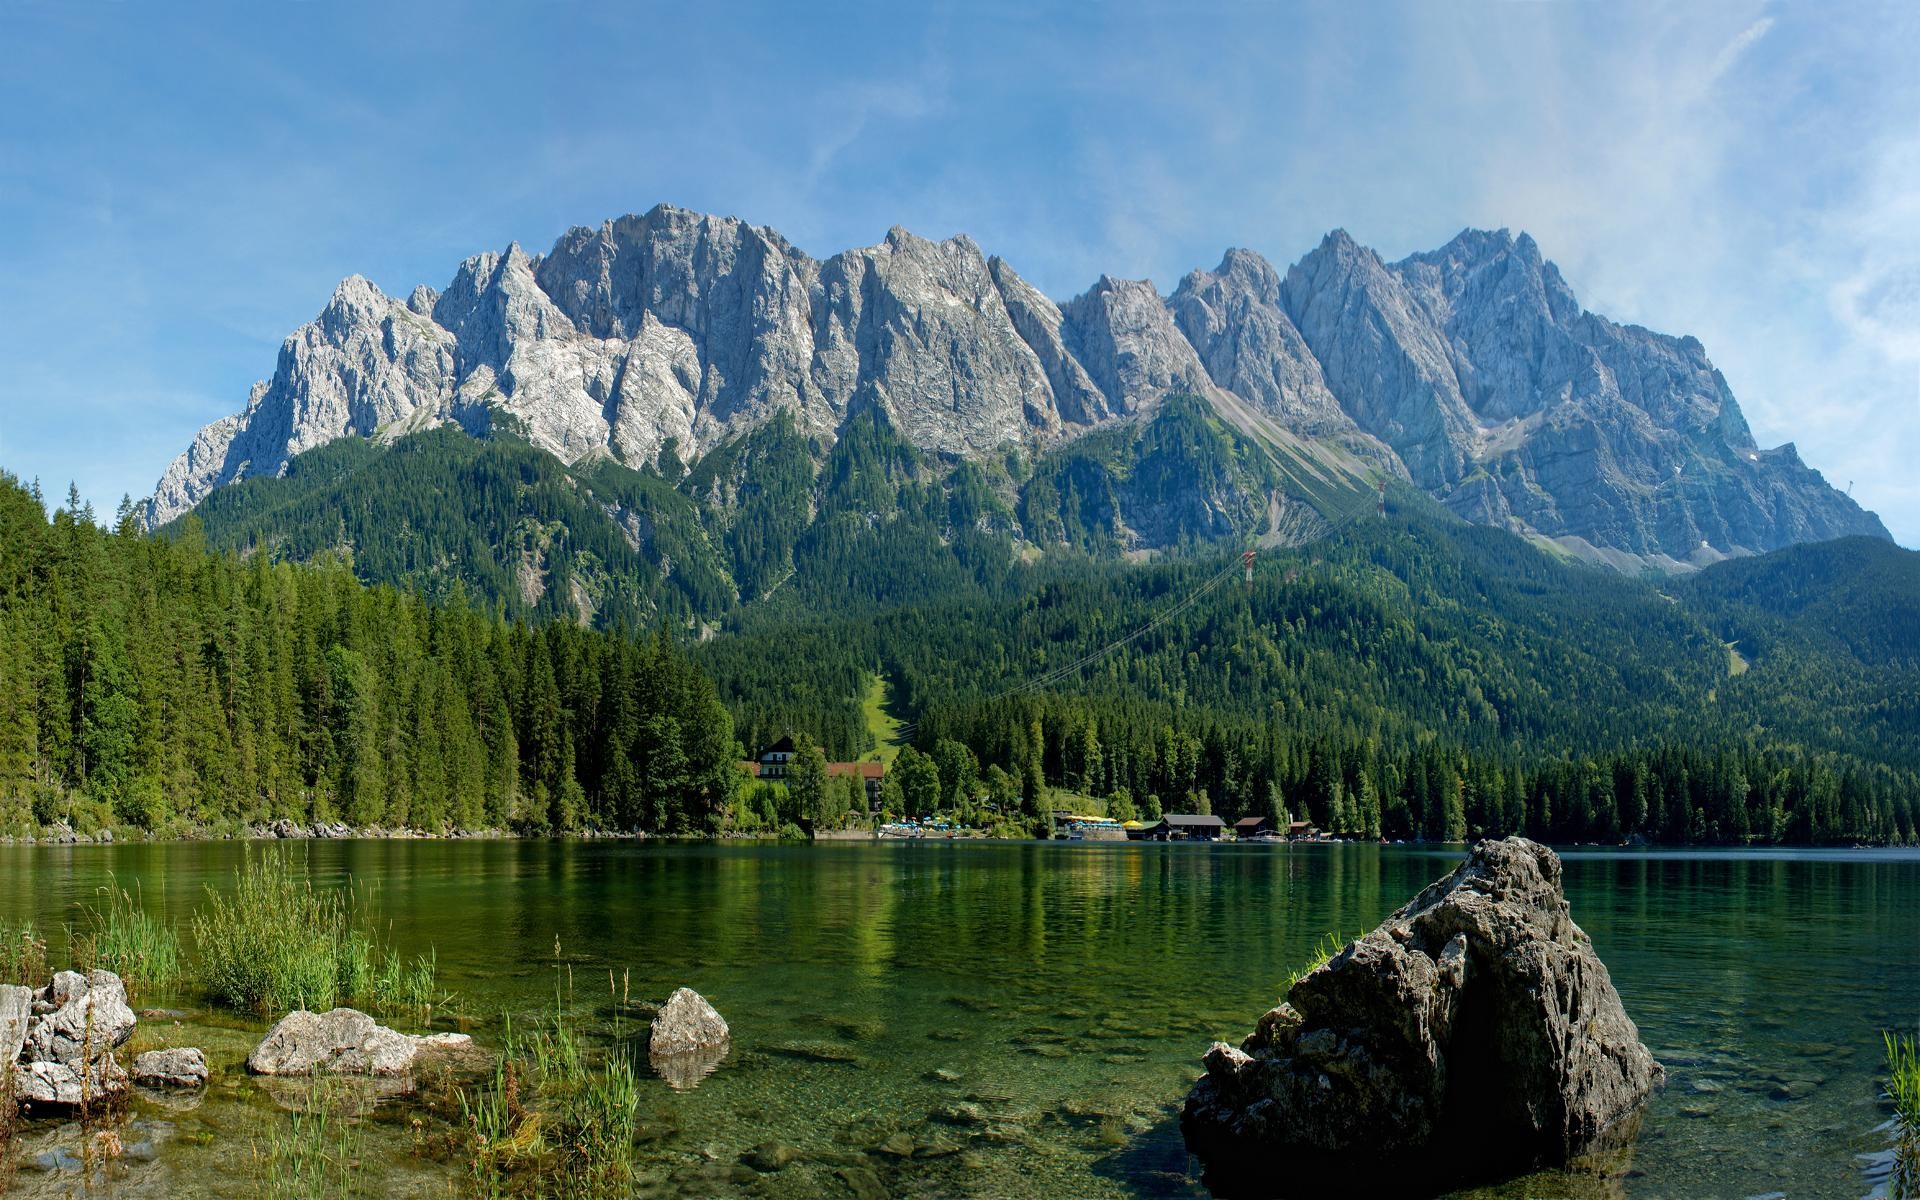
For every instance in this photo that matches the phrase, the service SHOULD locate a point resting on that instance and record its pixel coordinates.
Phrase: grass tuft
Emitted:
(1903, 1084)
(315, 1153)
(1903, 1088)
(559, 1111)
(275, 943)
(23, 955)
(1329, 945)
(143, 950)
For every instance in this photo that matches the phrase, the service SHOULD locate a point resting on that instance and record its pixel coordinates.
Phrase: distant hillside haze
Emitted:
(655, 341)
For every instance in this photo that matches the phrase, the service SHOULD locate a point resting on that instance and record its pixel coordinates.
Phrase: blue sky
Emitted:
(181, 186)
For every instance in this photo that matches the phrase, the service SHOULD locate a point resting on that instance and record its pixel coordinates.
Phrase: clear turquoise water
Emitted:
(1030, 1015)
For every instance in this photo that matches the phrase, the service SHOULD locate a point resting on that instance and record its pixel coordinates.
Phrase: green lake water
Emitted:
(1027, 1015)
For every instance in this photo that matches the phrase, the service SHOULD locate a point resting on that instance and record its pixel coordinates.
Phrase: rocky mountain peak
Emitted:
(1471, 369)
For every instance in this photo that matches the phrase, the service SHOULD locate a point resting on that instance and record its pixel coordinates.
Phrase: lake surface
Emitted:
(1050, 1001)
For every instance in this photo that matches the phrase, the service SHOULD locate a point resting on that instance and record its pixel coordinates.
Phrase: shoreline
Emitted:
(287, 831)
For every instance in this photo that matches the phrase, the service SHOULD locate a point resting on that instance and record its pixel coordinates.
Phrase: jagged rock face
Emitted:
(1474, 1033)
(1471, 369)
(919, 328)
(1233, 318)
(1122, 331)
(1516, 407)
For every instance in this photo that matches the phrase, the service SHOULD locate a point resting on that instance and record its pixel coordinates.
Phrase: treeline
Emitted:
(1136, 761)
(149, 682)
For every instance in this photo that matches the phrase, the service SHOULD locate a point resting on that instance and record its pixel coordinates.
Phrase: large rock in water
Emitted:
(688, 1040)
(1475, 1033)
(344, 1041)
(185, 1067)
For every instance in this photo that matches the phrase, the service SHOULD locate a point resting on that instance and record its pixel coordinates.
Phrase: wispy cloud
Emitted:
(1731, 52)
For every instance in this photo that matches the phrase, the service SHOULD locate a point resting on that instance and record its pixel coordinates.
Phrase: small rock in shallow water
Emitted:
(686, 1023)
(960, 1114)
(183, 1068)
(863, 1183)
(820, 1052)
(900, 1145)
(1047, 1051)
(769, 1157)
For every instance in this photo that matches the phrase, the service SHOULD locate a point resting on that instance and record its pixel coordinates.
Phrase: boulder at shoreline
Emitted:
(59, 1041)
(344, 1041)
(1473, 1034)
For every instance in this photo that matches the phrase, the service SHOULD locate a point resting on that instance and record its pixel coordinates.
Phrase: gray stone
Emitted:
(181, 1068)
(344, 1041)
(89, 1018)
(16, 1010)
(1474, 1031)
(686, 1023)
(48, 1084)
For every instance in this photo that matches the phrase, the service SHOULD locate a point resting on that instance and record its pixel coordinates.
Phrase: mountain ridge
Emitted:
(1470, 370)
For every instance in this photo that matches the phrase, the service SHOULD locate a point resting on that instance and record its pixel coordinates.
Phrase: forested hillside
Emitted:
(601, 544)
(1413, 677)
(148, 683)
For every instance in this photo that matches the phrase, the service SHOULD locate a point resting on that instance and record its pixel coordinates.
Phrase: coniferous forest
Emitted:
(1406, 677)
(148, 683)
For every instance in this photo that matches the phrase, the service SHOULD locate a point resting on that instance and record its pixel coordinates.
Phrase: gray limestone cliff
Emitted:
(1471, 370)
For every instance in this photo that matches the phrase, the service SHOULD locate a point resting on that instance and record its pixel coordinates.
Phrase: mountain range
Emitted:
(671, 341)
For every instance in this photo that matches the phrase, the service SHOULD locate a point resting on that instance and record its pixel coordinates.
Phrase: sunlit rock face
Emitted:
(1471, 369)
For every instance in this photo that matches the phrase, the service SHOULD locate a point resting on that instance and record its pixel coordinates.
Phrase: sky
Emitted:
(181, 186)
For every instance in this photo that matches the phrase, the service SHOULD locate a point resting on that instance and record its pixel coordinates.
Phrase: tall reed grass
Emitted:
(1903, 1083)
(315, 1154)
(23, 955)
(125, 939)
(276, 943)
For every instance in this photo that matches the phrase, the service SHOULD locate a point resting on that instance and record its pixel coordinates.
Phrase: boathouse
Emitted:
(1182, 827)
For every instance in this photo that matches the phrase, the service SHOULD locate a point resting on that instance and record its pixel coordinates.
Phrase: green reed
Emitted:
(560, 1111)
(275, 943)
(23, 955)
(124, 938)
(315, 1154)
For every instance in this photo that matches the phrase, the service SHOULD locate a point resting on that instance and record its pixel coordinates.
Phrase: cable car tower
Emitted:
(1246, 563)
